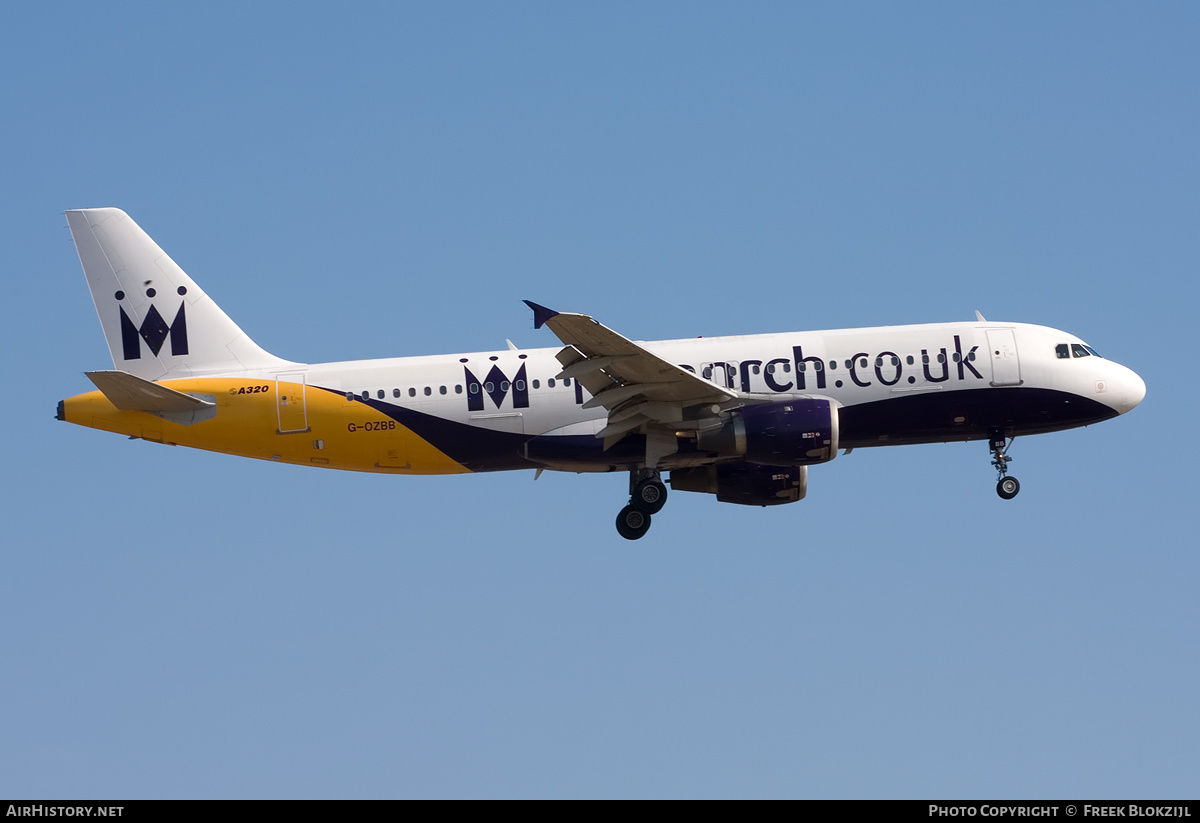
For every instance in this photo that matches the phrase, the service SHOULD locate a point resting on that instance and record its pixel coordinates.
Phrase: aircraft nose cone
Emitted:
(1133, 390)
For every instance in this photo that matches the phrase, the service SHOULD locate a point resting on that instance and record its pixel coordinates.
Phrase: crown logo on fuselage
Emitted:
(496, 386)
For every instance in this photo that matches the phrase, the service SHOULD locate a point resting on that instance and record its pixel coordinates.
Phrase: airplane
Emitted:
(741, 418)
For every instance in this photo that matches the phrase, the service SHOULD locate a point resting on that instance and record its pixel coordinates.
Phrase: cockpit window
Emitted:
(1080, 350)
(1093, 351)
(1062, 351)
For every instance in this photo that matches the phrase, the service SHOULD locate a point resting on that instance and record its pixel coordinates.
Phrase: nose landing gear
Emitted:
(1007, 487)
(647, 496)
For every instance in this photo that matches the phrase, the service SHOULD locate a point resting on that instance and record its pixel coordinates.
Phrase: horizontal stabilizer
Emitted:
(131, 393)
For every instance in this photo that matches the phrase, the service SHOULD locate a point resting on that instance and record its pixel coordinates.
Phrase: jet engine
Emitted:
(798, 432)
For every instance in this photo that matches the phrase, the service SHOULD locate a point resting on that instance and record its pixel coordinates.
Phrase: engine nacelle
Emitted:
(791, 433)
(797, 432)
(748, 484)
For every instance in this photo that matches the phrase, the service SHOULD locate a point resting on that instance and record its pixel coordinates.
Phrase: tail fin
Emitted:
(157, 321)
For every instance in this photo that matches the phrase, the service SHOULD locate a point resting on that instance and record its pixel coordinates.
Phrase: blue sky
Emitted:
(380, 180)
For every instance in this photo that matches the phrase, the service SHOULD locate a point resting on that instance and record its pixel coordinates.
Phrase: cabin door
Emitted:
(1002, 348)
(290, 402)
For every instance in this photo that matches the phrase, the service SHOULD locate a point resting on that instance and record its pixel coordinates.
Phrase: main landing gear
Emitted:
(647, 496)
(1007, 487)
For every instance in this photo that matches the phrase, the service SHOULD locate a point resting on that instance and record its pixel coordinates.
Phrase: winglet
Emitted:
(541, 314)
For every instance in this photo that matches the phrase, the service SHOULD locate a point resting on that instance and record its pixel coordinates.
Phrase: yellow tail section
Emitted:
(278, 420)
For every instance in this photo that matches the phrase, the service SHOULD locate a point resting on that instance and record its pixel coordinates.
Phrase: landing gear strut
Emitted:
(647, 496)
(1007, 487)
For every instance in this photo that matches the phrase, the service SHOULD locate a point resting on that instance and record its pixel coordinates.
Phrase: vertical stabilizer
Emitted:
(157, 321)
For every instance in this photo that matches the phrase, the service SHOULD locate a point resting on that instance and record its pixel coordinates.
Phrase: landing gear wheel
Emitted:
(1008, 487)
(649, 495)
(632, 522)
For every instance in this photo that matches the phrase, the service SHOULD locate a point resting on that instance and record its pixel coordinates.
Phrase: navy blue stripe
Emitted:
(933, 417)
(480, 449)
(924, 418)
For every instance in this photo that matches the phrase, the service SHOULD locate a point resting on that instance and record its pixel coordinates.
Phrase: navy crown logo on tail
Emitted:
(154, 330)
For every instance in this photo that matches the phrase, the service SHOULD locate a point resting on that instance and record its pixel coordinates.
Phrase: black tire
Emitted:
(649, 496)
(632, 523)
(1008, 487)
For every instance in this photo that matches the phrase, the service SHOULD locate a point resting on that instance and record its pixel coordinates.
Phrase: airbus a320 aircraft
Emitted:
(741, 418)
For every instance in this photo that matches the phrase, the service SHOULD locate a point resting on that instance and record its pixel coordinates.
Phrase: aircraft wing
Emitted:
(635, 385)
